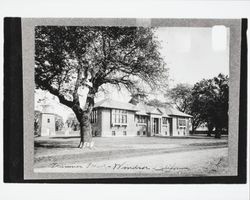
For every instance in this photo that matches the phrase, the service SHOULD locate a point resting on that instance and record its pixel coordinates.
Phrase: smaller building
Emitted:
(48, 124)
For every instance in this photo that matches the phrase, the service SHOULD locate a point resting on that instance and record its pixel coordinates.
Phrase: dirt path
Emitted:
(195, 162)
(161, 156)
(78, 156)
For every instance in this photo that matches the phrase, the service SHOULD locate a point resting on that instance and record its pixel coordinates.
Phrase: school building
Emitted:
(114, 118)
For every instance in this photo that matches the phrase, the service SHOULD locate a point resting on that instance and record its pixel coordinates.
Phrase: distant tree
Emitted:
(155, 103)
(71, 58)
(37, 122)
(73, 123)
(59, 122)
(138, 96)
(181, 96)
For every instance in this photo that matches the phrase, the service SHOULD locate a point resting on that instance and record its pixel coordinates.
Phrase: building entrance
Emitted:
(155, 126)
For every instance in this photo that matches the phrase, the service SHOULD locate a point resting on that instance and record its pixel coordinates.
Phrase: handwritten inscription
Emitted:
(121, 167)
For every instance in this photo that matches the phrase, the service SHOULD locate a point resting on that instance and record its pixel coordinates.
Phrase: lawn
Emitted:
(193, 156)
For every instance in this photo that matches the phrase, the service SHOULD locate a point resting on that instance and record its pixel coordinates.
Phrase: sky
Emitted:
(191, 54)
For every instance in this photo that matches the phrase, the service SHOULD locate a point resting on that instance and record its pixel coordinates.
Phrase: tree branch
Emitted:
(54, 91)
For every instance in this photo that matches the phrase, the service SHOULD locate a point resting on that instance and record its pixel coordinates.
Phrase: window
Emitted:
(138, 132)
(48, 120)
(141, 119)
(124, 133)
(93, 116)
(181, 123)
(113, 133)
(166, 133)
(144, 132)
(119, 116)
(164, 120)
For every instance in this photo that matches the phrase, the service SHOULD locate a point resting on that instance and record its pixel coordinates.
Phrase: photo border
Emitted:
(18, 79)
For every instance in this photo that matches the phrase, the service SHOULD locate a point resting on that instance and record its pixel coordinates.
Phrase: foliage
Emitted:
(207, 102)
(180, 96)
(210, 102)
(58, 122)
(73, 123)
(156, 103)
(71, 57)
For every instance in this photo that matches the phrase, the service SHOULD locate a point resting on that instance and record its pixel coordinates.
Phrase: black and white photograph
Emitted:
(131, 101)
(124, 100)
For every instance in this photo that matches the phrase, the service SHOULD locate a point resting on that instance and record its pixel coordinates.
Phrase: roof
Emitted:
(165, 111)
(110, 103)
(172, 111)
(49, 109)
(141, 108)
(144, 109)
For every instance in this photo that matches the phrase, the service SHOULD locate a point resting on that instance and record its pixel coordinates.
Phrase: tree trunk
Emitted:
(217, 133)
(210, 130)
(85, 124)
(85, 131)
(209, 133)
(194, 127)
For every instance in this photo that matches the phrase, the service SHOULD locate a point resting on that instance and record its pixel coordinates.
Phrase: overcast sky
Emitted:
(192, 54)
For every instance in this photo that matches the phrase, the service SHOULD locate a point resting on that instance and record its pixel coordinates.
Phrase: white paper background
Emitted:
(118, 8)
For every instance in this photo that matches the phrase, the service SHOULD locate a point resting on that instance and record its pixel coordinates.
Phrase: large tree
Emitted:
(69, 59)
(210, 103)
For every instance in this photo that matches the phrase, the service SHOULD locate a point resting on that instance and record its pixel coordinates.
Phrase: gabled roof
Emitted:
(164, 112)
(172, 111)
(141, 108)
(110, 103)
(144, 109)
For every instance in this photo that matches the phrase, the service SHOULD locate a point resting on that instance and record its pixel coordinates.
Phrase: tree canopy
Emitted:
(71, 57)
(180, 96)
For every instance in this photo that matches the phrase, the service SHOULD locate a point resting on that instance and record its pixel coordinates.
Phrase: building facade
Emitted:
(48, 120)
(112, 118)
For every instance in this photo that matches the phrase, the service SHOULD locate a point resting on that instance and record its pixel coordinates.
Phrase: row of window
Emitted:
(139, 133)
(93, 116)
(123, 133)
(164, 120)
(181, 123)
(141, 119)
(119, 116)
